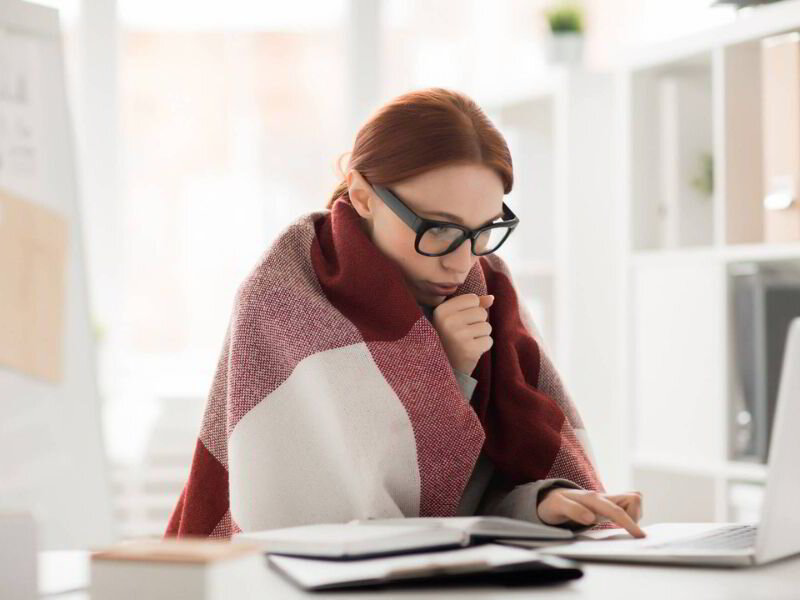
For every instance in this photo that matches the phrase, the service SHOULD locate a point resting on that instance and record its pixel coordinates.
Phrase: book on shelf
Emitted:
(765, 300)
(780, 96)
(684, 133)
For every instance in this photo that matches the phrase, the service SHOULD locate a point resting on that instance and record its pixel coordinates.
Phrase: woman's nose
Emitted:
(459, 259)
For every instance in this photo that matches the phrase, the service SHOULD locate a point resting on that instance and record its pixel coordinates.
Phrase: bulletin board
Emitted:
(52, 462)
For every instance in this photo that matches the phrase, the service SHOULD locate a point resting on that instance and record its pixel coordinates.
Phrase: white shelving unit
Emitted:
(527, 119)
(679, 101)
(560, 129)
(543, 124)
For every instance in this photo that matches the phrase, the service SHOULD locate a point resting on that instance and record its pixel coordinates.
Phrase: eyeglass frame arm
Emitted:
(420, 225)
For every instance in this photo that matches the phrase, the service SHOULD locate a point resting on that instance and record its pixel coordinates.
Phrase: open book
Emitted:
(375, 537)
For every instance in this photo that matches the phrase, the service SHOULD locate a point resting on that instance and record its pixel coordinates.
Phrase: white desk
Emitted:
(780, 580)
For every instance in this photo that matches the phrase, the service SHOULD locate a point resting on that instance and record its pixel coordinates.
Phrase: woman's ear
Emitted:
(360, 192)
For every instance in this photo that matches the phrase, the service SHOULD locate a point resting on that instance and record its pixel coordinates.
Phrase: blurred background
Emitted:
(204, 128)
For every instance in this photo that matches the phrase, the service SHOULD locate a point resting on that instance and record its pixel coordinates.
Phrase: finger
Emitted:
(631, 502)
(468, 316)
(453, 305)
(479, 345)
(634, 508)
(608, 509)
(631, 507)
(482, 344)
(625, 516)
(625, 506)
(487, 301)
(481, 329)
(626, 495)
(475, 330)
(576, 512)
(457, 303)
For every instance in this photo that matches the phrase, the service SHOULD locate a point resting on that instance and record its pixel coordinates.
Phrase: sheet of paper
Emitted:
(313, 573)
(33, 258)
(605, 534)
(62, 571)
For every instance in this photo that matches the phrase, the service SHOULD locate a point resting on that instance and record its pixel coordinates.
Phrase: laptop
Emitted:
(776, 534)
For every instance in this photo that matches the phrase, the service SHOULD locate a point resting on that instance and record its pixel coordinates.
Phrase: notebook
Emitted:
(346, 540)
(484, 563)
(376, 537)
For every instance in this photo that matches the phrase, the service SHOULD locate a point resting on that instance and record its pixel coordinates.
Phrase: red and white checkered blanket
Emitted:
(334, 399)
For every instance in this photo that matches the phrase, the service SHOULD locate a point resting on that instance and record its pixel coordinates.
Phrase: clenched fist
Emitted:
(464, 330)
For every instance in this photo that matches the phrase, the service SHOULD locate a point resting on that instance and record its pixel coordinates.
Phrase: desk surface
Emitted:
(778, 580)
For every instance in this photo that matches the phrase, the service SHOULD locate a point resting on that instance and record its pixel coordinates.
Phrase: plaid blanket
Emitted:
(333, 398)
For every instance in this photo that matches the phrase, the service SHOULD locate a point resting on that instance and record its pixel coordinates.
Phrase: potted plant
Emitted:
(565, 44)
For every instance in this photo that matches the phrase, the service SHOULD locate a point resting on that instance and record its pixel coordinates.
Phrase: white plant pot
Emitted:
(565, 48)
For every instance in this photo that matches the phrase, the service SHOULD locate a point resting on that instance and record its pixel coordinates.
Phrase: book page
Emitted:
(329, 533)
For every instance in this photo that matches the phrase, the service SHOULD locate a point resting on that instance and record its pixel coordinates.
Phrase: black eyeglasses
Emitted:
(436, 238)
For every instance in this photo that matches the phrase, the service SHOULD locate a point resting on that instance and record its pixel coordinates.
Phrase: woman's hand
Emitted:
(463, 329)
(560, 505)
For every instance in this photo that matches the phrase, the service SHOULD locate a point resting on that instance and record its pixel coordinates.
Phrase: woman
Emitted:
(378, 362)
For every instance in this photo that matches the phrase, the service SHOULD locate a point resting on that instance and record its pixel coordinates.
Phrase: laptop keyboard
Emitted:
(737, 537)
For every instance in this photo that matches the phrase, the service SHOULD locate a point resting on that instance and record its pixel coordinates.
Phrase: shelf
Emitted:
(764, 21)
(730, 470)
(760, 253)
(654, 257)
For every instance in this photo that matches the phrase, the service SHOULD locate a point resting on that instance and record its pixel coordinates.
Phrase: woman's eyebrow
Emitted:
(457, 219)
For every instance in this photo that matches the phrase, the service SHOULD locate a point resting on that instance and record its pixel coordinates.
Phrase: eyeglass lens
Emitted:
(437, 240)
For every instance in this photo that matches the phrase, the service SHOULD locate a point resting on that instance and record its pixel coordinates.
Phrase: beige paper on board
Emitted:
(33, 259)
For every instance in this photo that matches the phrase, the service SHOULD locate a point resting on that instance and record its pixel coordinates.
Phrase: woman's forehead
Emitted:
(464, 194)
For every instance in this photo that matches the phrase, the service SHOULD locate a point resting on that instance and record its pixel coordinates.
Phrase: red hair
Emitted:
(420, 131)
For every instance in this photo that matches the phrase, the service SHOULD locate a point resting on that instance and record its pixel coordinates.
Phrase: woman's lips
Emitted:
(440, 289)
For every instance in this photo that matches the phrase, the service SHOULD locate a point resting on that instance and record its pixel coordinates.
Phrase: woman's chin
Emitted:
(433, 299)
(425, 296)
